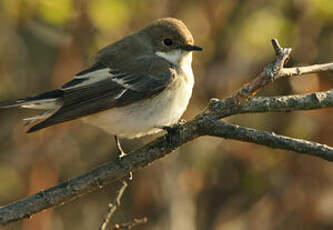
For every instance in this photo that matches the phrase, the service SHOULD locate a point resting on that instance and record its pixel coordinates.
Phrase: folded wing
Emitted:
(102, 87)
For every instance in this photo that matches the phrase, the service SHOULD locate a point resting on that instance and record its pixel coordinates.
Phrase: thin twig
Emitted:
(130, 225)
(298, 71)
(113, 206)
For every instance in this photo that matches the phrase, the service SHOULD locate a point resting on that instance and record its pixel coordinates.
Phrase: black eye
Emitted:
(167, 42)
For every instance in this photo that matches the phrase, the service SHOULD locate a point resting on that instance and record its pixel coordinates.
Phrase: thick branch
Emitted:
(206, 123)
(98, 177)
(114, 171)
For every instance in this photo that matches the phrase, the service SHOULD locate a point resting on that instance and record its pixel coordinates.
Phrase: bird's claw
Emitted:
(121, 154)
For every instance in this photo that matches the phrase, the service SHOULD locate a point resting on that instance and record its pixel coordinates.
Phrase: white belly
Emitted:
(143, 118)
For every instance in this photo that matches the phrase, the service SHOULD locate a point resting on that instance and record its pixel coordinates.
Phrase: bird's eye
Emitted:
(167, 42)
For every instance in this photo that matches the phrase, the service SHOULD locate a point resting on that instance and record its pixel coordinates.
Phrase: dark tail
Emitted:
(31, 100)
(48, 102)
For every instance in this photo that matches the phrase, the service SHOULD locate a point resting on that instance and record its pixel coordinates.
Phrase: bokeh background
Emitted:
(208, 184)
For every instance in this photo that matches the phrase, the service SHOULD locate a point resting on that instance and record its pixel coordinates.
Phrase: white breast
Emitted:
(144, 117)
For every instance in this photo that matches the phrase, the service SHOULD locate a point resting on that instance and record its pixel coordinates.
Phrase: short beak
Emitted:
(191, 48)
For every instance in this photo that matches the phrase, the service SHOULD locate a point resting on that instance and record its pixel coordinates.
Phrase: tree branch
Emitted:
(113, 206)
(297, 71)
(129, 225)
(233, 104)
(317, 100)
(205, 123)
(270, 139)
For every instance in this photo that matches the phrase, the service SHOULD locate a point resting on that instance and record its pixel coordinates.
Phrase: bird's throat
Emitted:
(176, 57)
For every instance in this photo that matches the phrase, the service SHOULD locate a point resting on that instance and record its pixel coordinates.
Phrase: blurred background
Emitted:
(209, 183)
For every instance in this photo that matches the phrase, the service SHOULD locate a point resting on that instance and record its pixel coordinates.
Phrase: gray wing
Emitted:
(102, 87)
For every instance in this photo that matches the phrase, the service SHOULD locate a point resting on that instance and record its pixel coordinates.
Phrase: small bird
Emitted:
(135, 87)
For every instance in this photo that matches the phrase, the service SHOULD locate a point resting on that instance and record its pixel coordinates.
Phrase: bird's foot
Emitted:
(173, 127)
(172, 131)
(121, 153)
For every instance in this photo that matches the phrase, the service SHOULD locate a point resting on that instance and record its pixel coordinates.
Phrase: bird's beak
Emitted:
(191, 48)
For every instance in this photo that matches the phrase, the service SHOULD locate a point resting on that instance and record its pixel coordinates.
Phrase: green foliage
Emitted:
(109, 14)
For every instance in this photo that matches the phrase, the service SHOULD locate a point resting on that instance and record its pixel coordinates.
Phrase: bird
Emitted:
(135, 87)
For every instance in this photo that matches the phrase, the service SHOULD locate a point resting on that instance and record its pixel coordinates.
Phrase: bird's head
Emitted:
(170, 39)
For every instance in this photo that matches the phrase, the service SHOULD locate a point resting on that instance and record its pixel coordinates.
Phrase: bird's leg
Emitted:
(121, 153)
